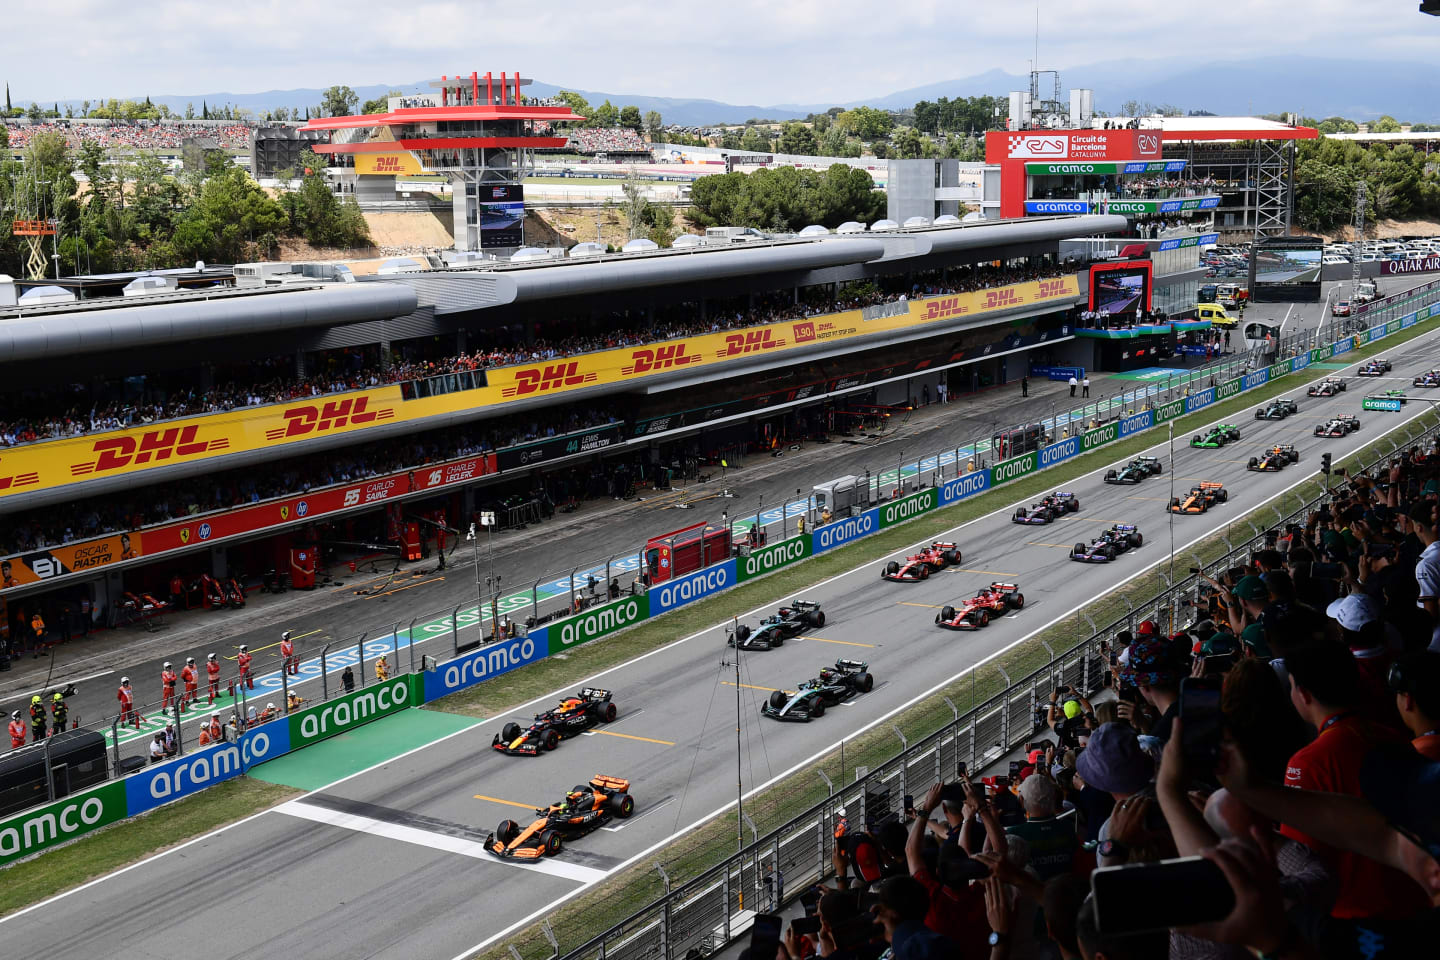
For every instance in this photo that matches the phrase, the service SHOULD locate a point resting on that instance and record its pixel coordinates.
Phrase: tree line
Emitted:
(135, 214)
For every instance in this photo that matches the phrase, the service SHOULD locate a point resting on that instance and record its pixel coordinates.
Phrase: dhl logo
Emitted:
(752, 341)
(556, 376)
(389, 165)
(1004, 297)
(317, 418)
(804, 332)
(1052, 288)
(943, 307)
(19, 480)
(660, 358)
(115, 453)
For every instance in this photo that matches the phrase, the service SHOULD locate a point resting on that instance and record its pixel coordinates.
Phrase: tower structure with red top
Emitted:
(477, 129)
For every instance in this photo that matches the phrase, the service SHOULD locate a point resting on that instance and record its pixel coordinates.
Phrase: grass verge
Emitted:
(130, 841)
(707, 846)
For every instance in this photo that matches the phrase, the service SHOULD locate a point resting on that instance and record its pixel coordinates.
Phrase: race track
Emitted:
(386, 864)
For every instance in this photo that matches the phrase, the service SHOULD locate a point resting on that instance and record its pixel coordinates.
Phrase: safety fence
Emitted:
(576, 612)
(705, 912)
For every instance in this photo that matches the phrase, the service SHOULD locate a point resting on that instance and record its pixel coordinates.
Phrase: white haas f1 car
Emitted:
(937, 556)
(848, 678)
(1109, 545)
(1326, 388)
(1048, 510)
(1338, 426)
(773, 631)
(988, 603)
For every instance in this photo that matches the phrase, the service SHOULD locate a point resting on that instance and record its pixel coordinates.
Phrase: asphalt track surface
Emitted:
(386, 863)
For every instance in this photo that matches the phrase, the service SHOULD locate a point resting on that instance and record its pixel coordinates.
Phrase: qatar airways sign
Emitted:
(1390, 268)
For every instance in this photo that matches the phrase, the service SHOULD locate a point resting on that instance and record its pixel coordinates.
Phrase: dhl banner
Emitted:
(611, 366)
(403, 164)
(82, 557)
(73, 460)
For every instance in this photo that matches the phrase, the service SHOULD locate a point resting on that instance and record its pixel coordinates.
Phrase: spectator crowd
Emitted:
(607, 140)
(1264, 783)
(126, 135)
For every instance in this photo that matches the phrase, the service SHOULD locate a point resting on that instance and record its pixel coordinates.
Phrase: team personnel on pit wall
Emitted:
(17, 731)
(167, 686)
(37, 720)
(243, 660)
(192, 684)
(212, 669)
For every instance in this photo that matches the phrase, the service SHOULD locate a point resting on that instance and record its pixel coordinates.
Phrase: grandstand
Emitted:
(121, 136)
(620, 144)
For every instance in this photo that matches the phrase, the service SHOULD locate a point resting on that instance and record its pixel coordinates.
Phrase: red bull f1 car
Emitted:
(848, 678)
(773, 631)
(1276, 458)
(987, 604)
(1201, 498)
(1277, 409)
(1374, 368)
(937, 556)
(1136, 470)
(570, 718)
(1340, 426)
(1430, 378)
(1109, 545)
(1048, 510)
(1326, 388)
(585, 808)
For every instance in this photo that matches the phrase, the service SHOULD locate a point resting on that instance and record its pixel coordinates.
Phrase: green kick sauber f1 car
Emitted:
(1217, 437)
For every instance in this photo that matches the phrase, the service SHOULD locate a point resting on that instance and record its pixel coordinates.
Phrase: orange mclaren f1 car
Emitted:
(584, 809)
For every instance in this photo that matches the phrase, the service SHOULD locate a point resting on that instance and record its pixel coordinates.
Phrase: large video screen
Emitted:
(1290, 266)
(1286, 268)
(1120, 290)
(502, 215)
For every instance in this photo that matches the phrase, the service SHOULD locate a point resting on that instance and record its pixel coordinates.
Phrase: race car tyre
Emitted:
(1294, 456)
(1110, 475)
(549, 740)
(1252, 464)
(777, 699)
(982, 618)
(1020, 512)
(817, 709)
(817, 618)
(1222, 495)
(924, 572)
(1136, 539)
(1107, 552)
(952, 556)
(1235, 435)
(1195, 440)
(865, 682)
(1073, 506)
(742, 633)
(609, 712)
(1259, 414)
(552, 842)
(623, 805)
(1174, 502)
(946, 614)
(507, 831)
(1017, 601)
(510, 732)
(1078, 550)
(893, 567)
(777, 639)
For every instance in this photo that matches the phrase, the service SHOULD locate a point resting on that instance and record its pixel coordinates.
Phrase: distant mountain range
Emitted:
(1311, 86)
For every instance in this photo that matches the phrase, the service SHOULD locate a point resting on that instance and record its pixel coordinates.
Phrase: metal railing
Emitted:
(709, 910)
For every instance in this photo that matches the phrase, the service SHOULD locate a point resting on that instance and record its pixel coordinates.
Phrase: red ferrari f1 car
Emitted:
(988, 603)
(937, 556)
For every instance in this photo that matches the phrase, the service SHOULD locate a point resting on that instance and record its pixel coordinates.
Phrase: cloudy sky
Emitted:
(739, 51)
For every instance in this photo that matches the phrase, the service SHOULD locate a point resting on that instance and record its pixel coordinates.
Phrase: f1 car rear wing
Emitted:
(1125, 527)
(798, 604)
(594, 693)
(1211, 485)
(853, 666)
(1004, 587)
(602, 782)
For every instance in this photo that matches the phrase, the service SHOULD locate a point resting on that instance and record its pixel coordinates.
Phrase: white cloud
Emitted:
(741, 51)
